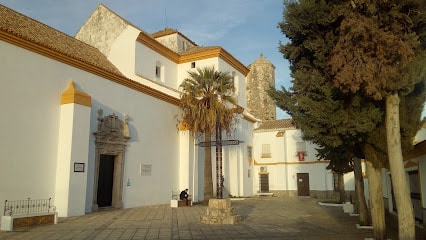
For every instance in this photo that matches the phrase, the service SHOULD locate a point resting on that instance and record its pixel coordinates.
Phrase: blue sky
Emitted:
(245, 28)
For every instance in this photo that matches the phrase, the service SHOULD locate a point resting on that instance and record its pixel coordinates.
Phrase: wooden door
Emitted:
(303, 184)
(264, 182)
(105, 180)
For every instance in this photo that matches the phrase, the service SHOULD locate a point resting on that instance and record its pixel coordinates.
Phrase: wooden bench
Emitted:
(176, 202)
(26, 213)
(182, 203)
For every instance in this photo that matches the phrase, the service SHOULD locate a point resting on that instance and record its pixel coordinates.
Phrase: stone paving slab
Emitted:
(262, 218)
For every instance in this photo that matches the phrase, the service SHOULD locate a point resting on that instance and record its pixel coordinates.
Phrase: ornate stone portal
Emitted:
(111, 139)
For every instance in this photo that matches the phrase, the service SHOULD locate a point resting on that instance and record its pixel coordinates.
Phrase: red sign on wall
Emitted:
(301, 156)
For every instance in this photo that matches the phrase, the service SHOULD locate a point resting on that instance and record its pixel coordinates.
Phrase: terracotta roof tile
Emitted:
(277, 124)
(198, 49)
(29, 29)
(166, 31)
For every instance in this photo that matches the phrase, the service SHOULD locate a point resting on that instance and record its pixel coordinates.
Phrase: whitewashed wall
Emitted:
(184, 68)
(284, 164)
(31, 90)
(122, 52)
(29, 98)
(146, 61)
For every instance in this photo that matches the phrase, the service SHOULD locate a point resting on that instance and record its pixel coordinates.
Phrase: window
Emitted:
(193, 65)
(301, 146)
(301, 150)
(158, 71)
(266, 151)
(249, 154)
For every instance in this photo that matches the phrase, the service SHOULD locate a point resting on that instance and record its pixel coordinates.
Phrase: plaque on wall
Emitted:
(146, 169)
(78, 167)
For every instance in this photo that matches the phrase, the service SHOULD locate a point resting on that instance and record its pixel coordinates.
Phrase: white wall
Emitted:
(183, 68)
(122, 52)
(30, 98)
(145, 62)
(284, 164)
(422, 174)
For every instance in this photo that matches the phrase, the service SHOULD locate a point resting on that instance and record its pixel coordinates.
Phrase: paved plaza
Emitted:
(262, 218)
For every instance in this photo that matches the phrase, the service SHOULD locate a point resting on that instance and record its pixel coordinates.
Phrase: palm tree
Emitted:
(206, 97)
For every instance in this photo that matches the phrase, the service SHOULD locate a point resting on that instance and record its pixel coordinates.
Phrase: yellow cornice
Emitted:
(50, 53)
(210, 53)
(218, 52)
(290, 163)
(73, 95)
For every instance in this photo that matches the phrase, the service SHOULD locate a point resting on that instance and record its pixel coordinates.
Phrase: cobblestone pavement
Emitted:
(262, 218)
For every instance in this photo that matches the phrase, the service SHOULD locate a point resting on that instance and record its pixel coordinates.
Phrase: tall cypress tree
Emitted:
(377, 47)
(326, 116)
(350, 62)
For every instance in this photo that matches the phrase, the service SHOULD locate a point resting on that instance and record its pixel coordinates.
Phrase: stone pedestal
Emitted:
(220, 212)
(348, 208)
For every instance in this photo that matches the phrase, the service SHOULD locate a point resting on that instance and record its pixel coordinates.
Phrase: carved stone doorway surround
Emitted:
(111, 139)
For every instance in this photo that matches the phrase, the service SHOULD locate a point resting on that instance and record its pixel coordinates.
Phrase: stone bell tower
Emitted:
(259, 79)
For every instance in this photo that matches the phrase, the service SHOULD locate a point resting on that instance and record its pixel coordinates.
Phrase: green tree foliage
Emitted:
(346, 58)
(205, 100)
(326, 115)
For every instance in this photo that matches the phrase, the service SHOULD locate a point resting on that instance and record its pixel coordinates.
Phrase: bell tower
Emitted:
(259, 79)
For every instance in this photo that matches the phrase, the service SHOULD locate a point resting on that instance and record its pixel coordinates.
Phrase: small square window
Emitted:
(193, 65)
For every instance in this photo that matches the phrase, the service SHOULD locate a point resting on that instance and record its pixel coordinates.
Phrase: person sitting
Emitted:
(184, 196)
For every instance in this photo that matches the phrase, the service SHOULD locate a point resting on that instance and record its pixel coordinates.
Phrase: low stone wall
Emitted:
(9, 223)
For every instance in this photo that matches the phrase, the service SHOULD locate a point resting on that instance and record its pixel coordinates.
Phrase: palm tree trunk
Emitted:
(359, 188)
(376, 195)
(208, 179)
(406, 225)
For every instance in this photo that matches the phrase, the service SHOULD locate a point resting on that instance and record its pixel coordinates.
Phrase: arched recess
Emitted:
(111, 140)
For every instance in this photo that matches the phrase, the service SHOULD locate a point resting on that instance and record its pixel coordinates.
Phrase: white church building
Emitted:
(91, 121)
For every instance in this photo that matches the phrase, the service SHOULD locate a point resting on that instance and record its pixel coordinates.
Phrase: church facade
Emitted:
(91, 121)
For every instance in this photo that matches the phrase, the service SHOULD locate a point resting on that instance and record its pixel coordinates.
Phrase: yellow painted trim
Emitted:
(73, 95)
(290, 163)
(218, 52)
(51, 53)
